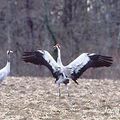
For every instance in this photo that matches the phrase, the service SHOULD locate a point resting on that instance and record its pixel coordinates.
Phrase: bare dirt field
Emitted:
(28, 98)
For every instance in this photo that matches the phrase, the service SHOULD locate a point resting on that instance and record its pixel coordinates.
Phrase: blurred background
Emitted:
(77, 25)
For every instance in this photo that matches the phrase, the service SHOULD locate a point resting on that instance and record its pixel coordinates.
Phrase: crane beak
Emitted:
(57, 45)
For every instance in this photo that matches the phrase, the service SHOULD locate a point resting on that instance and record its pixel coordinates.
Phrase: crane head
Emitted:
(57, 46)
(9, 51)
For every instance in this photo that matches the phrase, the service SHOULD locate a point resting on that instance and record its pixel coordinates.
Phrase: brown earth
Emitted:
(28, 98)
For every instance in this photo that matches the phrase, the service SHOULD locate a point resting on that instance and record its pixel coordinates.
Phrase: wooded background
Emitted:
(77, 25)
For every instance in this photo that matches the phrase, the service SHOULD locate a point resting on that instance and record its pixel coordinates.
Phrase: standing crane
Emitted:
(5, 71)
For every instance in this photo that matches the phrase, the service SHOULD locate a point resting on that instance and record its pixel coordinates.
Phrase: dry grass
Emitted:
(27, 98)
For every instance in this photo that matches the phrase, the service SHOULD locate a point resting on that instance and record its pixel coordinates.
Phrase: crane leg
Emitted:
(67, 90)
(59, 90)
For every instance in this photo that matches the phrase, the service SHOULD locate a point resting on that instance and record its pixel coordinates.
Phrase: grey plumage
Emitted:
(73, 70)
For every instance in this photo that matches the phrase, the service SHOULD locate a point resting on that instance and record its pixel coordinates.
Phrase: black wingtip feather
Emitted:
(32, 57)
(103, 61)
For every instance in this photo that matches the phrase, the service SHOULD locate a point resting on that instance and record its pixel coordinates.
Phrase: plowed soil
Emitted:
(33, 98)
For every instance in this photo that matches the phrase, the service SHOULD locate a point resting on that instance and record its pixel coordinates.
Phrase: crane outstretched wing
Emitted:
(85, 61)
(42, 57)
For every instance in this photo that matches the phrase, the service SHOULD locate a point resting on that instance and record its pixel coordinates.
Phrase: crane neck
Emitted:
(59, 57)
(8, 63)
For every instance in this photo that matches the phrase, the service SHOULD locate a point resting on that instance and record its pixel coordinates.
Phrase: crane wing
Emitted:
(42, 57)
(85, 61)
